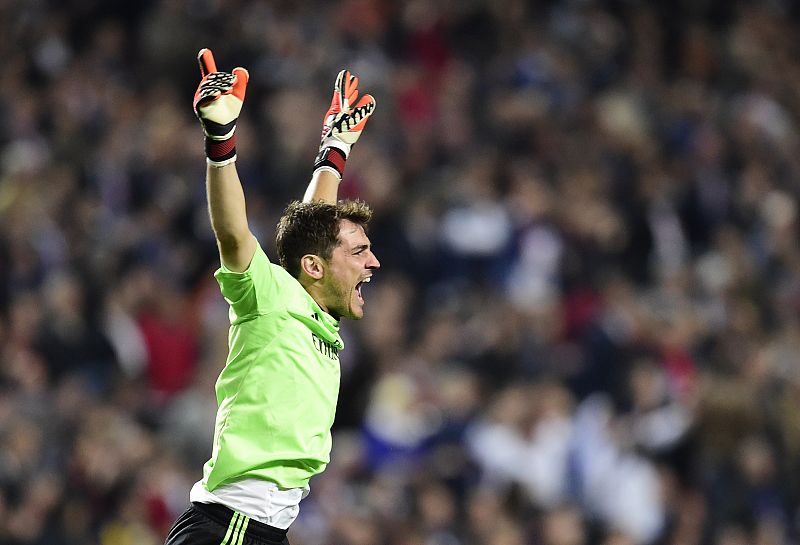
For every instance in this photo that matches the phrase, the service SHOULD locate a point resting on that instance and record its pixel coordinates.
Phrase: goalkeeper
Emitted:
(277, 393)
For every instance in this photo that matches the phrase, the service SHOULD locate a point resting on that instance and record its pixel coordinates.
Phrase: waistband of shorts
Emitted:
(239, 523)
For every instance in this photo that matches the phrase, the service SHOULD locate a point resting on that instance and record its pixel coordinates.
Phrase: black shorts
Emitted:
(215, 524)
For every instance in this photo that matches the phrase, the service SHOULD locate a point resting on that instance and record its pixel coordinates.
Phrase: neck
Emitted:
(314, 289)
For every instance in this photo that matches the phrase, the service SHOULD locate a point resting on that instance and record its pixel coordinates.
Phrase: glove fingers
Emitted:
(362, 111)
(350, 89)
(346, 118)
(340, 80)
(350, 100)
(350, 84)
(345, 92)
(337, 102)
(240, 84)
(367, 103)
(205, 58)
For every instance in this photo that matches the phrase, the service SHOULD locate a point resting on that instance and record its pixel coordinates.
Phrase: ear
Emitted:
(313, 266)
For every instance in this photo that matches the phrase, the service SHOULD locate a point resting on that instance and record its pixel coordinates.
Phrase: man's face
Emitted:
(350, 266)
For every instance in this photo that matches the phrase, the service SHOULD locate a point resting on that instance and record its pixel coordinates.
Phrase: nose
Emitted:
(372, 262)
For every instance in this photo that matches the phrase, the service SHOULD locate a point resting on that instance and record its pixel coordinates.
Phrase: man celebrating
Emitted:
(277, 393)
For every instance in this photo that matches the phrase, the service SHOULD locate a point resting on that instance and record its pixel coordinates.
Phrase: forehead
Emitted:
(351, 234)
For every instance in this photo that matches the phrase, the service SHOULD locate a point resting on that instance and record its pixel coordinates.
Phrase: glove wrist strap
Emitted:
(330, 158)
(221, 152)
(217, 131)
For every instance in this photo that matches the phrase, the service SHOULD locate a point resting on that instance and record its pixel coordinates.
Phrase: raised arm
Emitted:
(341, 127)
(217, 103)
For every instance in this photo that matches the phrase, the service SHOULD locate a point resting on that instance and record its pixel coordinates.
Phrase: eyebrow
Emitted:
(360, 248)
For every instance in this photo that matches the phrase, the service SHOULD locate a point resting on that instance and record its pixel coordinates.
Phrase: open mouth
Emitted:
(358, 289)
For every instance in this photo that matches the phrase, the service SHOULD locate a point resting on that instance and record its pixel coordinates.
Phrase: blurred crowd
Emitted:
(586, 329)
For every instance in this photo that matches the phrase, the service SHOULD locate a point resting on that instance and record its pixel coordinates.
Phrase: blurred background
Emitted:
(586, 329)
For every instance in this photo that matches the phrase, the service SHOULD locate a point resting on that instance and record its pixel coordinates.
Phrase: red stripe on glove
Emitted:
(219, 150)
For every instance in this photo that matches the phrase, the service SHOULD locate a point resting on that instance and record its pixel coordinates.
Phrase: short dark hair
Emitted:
(313, 228)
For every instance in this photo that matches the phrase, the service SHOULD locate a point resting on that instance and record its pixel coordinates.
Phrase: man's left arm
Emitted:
(342, 125)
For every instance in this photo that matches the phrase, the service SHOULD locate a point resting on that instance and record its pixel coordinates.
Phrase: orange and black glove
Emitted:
(217, 104)
(342, 124)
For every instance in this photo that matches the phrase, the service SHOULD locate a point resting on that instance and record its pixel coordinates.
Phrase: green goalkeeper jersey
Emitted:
(277, 393)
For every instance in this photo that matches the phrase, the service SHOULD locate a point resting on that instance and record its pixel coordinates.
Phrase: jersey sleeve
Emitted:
(251, 292)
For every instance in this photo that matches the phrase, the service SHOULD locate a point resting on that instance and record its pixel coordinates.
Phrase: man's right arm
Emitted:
(217, 104)
(226, 208)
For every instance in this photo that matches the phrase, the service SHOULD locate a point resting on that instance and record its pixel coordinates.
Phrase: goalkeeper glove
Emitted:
(217, 104)
(342, 124)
